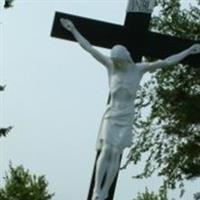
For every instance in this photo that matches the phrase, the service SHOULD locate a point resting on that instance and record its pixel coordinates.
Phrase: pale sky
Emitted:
(55, 97)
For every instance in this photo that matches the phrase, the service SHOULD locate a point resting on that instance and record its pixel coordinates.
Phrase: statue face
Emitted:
(120, 53)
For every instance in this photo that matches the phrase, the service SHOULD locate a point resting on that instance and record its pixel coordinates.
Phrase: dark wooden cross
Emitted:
(137, 38)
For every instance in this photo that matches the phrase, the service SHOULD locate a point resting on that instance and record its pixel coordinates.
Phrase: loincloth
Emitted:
(116, 128)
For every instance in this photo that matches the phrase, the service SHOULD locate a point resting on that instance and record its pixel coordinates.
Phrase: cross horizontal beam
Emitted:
(161, 46)
(104, 34)
(143, 42)
(97, 32)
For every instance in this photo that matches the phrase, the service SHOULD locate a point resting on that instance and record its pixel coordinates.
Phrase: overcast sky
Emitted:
(55, 97)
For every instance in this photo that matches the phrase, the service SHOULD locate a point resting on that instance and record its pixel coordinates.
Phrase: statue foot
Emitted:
(100, 196)
(104, 196)
(96, 197)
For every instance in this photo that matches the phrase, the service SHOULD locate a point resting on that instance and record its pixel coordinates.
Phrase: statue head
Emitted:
(120, 53)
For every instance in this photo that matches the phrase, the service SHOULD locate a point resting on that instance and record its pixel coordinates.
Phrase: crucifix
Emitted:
(125, 73)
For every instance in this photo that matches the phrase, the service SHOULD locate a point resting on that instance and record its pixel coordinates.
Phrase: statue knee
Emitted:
(107, 149)
(116, 151)
(111, 151)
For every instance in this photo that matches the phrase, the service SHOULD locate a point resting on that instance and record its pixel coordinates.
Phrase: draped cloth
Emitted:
(116, 128)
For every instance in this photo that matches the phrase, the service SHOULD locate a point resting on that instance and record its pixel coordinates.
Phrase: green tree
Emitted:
(8, 3)
(170, 133)
(21, 185)
(5, 131)
(197, 196)
(150, 196)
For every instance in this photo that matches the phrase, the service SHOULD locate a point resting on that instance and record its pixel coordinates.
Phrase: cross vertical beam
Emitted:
(142, 20)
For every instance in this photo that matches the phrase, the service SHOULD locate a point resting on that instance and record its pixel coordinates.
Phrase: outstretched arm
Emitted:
(170, 61)
(67, 24)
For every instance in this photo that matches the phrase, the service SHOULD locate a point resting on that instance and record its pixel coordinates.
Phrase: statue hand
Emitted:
(67, 24)
(195, 49)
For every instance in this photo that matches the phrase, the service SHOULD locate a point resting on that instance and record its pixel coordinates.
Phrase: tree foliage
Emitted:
(8, 3)
(4, 131)
(21, 185)
(150, 196)
(197, 196)
(170, 133)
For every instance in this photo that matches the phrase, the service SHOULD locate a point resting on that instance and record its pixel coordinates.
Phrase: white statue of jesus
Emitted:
(116, 126)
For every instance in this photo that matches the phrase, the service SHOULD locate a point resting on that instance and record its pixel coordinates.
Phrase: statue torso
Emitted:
(123, 85)
(117, 122)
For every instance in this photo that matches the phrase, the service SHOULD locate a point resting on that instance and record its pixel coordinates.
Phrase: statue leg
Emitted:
(112, 171)
(103, 163)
